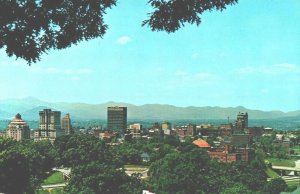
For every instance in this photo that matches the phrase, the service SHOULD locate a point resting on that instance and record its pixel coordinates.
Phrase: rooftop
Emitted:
(201, 143)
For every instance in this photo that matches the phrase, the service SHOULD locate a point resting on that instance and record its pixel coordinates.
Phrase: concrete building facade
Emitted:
(66, 124)
(18, 129)
(49, 125)
(241, 121)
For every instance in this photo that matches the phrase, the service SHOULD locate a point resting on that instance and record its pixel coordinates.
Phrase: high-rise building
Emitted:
(117, 118)
(66, 124)
(166, 127)
(137, 127)
(18, 129)
(49, 126)
(241, 121)
(135, 130)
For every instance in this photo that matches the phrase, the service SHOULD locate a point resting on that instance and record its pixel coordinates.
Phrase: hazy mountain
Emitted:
(32, 114)
(5, 115)
(21, 105)
(29, 108)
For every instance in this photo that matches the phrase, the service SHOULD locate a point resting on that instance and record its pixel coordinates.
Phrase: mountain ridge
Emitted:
(29, 107)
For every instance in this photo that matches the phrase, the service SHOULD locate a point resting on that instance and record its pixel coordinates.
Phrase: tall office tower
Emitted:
(49, 126)
(117, 119)
(241, 121)
(166, 127)
(66, 124)
(18, 129)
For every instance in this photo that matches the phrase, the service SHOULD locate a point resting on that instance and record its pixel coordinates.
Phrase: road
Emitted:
(53, 186)
(297, 164)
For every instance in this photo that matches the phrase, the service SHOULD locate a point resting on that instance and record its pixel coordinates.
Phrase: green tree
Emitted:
(171, 140)
(22, 167)
(29, 28)
(180, 172)
(193, 172)
(276, 186)
(251, 175)
(82, 149)
(281, 152)
(129, 153)
(46, 149)
(259, 155)
(237, 189)
(265, 142)
(5, 143)
(102, 178)
(160, 151)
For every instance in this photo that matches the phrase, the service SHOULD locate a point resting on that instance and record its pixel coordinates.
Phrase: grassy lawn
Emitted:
(135, 166)
(51, 191)
(292, 183)
(292, 187)
(271, 173)
(55, 178)
(297, 150)
(41, 192)
(57, 191)
(282, 162)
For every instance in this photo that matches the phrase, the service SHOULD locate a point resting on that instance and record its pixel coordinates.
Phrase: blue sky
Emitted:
(247, 55)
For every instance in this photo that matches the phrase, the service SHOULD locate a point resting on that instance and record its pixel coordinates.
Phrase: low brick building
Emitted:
(241, 140)
(254, 131)
(227, 154)
(186, 130)
(224, 154)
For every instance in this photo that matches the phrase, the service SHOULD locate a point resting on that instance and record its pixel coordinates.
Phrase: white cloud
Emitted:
(185, 79)
(206, 77)
(223, 54)
(264, 91)
(180, 73)
(13, 63)
(75, 78)
(34, 68)
(77, 71)
(245, 70)
(53, 70)
(195, 56)
(123, 40)
(286, 65)
(277, 69)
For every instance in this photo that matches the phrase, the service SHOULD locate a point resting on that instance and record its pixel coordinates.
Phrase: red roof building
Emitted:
(201, 143)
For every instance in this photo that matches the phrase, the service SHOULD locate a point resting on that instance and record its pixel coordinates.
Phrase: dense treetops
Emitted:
(175, 167)
(29, 28)
(23, 165)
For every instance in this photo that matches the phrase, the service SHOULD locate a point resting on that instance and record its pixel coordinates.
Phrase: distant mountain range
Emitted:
(29, 108)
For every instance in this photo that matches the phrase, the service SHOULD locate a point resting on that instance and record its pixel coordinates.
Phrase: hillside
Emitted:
(29, 108)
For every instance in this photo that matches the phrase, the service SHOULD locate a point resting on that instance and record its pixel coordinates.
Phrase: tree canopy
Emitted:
(99, 168)
(23, 165)
(29, 28)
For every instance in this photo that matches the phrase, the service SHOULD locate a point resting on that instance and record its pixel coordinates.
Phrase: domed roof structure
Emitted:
(18, 121)
(201, 143)
(18, 129)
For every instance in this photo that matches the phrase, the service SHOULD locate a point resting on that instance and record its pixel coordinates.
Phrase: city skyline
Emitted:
(247, 55)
